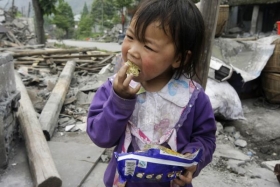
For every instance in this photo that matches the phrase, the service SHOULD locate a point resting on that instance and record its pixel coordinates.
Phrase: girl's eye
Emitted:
(130, 37)
(147, 47)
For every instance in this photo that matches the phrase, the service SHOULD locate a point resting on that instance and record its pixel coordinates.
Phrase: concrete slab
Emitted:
(74, 160)
(267, 177)
(270, 164)
(17, 173)
(96, 177)
(74, 154)
(214, 178)
(262, 122)
(226, 151)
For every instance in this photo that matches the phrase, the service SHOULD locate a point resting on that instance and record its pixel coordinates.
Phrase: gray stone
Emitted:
(219, 128)
(2, 18)
(229, 129)
(91, 86)
(240, 143)
(231, 139)
(236, 135)
(105, 158)
(237, 170)
(18, 24)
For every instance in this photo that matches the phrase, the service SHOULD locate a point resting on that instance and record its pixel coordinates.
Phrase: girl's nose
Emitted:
(134, 51)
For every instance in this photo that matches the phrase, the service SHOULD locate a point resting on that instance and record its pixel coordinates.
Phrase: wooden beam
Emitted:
(50, 113)
(75, 56)
(106, 59)
(51, 52)
(22, 48)
(254, 20)
(59, 61)
(31, 58)
(209, 10)
(7, 43)
(41, 164)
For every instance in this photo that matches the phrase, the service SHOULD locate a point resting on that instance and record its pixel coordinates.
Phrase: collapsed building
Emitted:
(252, 16)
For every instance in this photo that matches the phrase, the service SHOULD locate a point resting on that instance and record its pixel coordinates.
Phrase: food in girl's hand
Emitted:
(154, 164)
(132, 69)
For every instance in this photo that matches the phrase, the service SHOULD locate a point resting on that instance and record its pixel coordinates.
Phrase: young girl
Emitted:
(164, 40)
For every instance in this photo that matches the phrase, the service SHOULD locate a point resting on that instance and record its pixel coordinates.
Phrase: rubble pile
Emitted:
(15, 32)
(75, 107)
(40, 71)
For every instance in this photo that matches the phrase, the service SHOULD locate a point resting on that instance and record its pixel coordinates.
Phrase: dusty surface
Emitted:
(231, 166)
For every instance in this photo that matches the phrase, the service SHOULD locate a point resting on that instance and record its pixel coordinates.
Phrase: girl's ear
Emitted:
(176, 64)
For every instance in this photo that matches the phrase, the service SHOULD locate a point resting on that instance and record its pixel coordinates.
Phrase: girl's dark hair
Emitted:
(182, 20)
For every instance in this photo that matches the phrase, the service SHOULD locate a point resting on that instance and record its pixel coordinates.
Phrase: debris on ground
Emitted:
(15, 32)
(40, 70)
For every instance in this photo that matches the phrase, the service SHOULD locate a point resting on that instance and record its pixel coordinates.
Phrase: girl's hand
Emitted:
(121, 84)
(186, 178)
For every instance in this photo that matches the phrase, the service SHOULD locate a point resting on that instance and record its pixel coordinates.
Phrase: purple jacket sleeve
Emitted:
(108, 115)
(203, 130)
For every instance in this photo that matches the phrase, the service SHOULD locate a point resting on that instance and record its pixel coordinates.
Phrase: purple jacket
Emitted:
(109, 114)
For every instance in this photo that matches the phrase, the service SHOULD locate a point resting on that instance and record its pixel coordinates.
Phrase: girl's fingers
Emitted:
(127, 80)
(188, 178)
(122, 73)
(184, 179)
(179, 182)
(122, 84)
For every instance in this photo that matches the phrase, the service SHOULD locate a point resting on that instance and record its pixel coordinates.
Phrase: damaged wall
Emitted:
(16, 32)
(250, 2)
(241, 18)
(9, 97)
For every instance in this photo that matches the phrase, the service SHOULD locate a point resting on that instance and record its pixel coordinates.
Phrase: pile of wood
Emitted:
(88, 60)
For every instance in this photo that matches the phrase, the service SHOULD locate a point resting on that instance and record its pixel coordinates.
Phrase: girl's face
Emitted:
(155, 58)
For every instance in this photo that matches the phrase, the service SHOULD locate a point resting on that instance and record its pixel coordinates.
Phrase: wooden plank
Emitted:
(42, 166)
(7, 43)
(51, 52)
(50, 112)
(77, 61)
(106, 59)
(74, 56)
(31, 59)
(22, 47)
(209, 10)
(24, 62)
(90, 69)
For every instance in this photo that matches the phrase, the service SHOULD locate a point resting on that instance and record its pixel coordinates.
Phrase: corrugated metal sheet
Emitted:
(249, 2)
